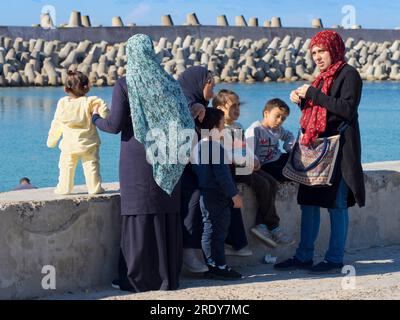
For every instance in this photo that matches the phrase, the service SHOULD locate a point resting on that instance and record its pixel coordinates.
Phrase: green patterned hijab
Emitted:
(156, 100)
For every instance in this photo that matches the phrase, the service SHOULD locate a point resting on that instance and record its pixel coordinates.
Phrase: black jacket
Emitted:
(342, 105)
(140, 194)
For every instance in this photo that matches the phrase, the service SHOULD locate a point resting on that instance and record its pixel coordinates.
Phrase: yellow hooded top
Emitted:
(73, 121)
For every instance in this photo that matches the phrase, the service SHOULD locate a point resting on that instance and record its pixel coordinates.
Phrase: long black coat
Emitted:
(140, 194)
(342, 105)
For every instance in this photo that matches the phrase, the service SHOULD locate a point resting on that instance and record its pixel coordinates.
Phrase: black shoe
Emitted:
(222, 274)
(327, 267)
(116, 284)
(293, 264)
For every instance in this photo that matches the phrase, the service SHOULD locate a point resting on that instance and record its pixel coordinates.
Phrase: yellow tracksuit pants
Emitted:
(91, 170)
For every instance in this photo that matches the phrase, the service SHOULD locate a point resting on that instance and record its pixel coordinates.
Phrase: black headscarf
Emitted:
(193, 80)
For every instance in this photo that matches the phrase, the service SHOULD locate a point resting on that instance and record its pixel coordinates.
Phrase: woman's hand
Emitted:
(237, 202)
(302, 91)
(198, 111)
(294, 97)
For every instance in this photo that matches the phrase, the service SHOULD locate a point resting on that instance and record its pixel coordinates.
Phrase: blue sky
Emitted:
(369, 14)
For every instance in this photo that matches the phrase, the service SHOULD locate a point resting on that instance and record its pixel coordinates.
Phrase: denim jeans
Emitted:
(216, 211)
(310, 223)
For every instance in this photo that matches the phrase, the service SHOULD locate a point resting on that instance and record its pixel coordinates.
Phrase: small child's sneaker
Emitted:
(281, 238)
(262, 232)
(99, 191)
(60, 192)
(226, 273)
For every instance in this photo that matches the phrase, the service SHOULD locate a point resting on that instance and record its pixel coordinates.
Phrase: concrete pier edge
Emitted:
(79, 235)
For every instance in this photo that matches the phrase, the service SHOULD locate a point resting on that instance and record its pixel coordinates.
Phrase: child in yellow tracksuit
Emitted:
(80, 140)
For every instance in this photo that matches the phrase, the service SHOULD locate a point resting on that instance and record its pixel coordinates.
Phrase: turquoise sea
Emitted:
(26, 114)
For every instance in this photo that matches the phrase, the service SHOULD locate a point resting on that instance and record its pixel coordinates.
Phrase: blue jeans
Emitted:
(310, 223)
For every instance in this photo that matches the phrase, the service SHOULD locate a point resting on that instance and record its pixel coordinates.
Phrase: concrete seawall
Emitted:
(120, 34)
(79, 235)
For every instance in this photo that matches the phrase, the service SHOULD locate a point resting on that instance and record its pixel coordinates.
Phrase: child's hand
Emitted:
(257, 165)
(237, 202)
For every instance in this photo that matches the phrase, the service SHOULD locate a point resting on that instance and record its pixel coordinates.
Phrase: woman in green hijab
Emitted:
(149, 107)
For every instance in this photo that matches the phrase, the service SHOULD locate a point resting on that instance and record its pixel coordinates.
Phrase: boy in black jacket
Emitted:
(218, 192)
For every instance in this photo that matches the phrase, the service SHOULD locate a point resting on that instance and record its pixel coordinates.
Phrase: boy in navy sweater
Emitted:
(218, 194)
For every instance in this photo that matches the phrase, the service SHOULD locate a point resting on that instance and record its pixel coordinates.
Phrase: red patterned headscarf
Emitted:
(314, 117)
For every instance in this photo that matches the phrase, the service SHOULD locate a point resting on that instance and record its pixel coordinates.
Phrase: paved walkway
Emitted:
(377, 277)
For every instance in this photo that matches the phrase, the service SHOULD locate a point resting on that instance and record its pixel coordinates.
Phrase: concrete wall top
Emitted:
(382, 166)
(121, 34)
(47, 194)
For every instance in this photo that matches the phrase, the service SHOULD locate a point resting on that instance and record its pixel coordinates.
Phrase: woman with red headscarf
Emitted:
(330, 102)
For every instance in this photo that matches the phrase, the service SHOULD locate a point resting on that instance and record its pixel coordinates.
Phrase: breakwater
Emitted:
(41, 57)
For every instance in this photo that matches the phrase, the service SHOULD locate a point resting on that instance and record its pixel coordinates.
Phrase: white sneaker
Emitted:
(262, 232)
(244, 252)
(192, 262)
(282, 238)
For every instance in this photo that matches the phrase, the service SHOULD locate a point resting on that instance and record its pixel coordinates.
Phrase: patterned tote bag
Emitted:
(314, 165)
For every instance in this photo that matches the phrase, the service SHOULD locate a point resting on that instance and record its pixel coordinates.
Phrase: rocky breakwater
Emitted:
(36, 62)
